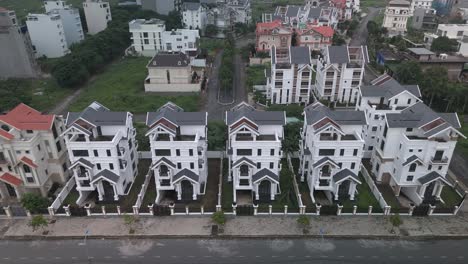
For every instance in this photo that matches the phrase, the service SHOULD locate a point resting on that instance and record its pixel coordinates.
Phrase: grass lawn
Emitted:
(363, 198)
(462, 144)
(256, 75)
(120, 88)
(450, 197)
(227, 192)
(143, 140)
(373, 3)
(71, 198)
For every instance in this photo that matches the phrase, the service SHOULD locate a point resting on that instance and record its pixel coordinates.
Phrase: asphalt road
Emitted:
(234, 251)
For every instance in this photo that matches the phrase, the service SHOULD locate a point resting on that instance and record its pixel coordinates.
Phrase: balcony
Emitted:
(244, 182)
(325, 137)
(165, 182)
(379, 106)
(98, 138)
(166, 137)
(439, 160)
(258, 138)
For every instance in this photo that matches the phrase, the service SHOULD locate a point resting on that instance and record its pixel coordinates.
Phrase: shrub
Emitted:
(34, 203)
(395, 220)
(303, 221)
(219, 218)
(38, 221)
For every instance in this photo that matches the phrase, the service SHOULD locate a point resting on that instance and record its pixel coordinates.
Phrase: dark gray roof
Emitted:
(82, 161)
(323, 160)
(192, 6)
(292, 11)
(432, 176)
(243, 159)
(411, 160)
(338, 54)
(177, 116)
(300, 55)
(307, 151)
(164, 160)
(342, 174)
(314, 13)
(386, 86)
(259, 117)
(98, 116)
(317, 111)
(169, 59)
(265, 172)
(187, 173)
(106, 174)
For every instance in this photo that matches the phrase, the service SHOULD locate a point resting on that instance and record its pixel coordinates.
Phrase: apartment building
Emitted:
(150, 36)
(163, 7)
(71, 20)
(103, 152)
(290, 78)
(178, 142)
(32, 153)
(173, 72)
(313, 14)
(396, 16)
(194, 15)
(98, 15)
(331, 151)
(254, 151)
(16, 55)
(340, 70)
(421, 4)
(425, 19)
(47, 35)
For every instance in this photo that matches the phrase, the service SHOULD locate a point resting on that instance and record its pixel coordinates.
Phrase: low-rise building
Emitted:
(16, 55)
(269, 34)
(32, 153)
(172, 72)
(340, 71)
(396, 16)
(425, 19)
(331, 151)
(103, 152)
(315, 37)
(297, 16)
(254, 151)
(289, 80)
(163, 7)
(98, 15)
(181, 40)
(178, 141)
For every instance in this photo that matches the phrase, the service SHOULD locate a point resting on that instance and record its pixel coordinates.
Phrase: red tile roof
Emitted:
(24, 117)
(6, 135)
(28, 162)
(267, 26)
(326, 31)
(11, 179)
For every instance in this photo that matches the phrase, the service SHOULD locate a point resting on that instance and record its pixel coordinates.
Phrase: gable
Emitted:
(324, 122)
(244, 121)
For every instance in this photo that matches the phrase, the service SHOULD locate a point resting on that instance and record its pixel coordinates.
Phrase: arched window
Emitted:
(412, 167)
(244, 170)
(26, 169)
(5, 127)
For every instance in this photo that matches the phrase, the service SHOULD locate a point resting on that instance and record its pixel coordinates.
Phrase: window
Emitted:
(341, 152)
(396, 101)
(244, 152)
(272, 165)
(409, 101)
(371, 148)
(111, 166)
(412, 167)
(377, 167)
(376, 117)
(39, 147)
(340, 165)
(409, 178)
(410, 150)
(192, 165)
(177, 152)
(190, 152)
(429, 167)
(440, 167)
(382, 145)
(400, 146)
(385, 131)
(108, 152)
(259, 165)
(179, 165)
(80, 153)
(98, 165)
(26, 169)
(96, 154)
(355, 152)
(353, 166)
(326, 152)
(162, 152)
(374, 128)
(259, 152)
(272, 152)
(409, 129)
(29, 131)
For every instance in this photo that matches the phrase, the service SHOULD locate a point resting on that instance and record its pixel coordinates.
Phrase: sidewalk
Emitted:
(243, 226)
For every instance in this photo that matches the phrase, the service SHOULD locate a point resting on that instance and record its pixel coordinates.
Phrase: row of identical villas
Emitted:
(409, 147)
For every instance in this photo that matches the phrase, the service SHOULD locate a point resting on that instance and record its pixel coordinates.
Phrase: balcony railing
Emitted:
(165, 182)
(243, 182)
(324, 183)
(439, 160)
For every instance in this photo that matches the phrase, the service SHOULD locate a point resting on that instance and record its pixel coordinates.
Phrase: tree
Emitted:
(38, 221)
(219, 218)
(174, 20)
(294, 38)
(373, 28)
(338, 40)
(13, 92)
(396, 221)
(444, 44)
(211, 30)
(34, 203)
(409, 72)
(434, 83)
(217, 135)
(292, 136)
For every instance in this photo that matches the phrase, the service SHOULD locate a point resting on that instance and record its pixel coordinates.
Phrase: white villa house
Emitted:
(290, 78)
(103, 151)
(396, 17)
(413, 144)
(178, 142)
(254, 151)
(32, 153)
(340, 71)
(331, 151)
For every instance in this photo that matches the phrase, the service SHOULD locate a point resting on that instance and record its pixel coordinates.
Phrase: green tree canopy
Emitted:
(444, 44)
(292, 137)
(434, 83)
(211, 30)
(217, 135)
(34, 203)
(409, 72)
(174, 20)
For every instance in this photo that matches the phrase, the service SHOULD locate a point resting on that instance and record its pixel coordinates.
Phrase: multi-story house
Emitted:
(16, 55)
(384, 95)
(98, 14)
(194, 15)
(178, 143)
(340, 71)
(297, 16)
(290, 78)
(32, 153)
(163, 7)
(70, 17)
(103, 151)
(269, 34)
(254, 151)
(150, 36)
(315, 37)
(425, 19)
(172, 72)
(240, 11)
(47, 35)
(331, 151)
(421, 4)
(396, 16)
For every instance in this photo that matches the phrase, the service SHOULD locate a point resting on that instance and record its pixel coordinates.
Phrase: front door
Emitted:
(11, 190)
(108, 191)
(428, 197)
(264, 190)
(187, 190)
(343, 191)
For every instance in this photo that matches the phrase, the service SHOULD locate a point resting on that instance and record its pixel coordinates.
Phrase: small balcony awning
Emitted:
(165, 161)
(106, 175)
(265, 173)
(83, 162)
(432, 176)
(344, 175)
(28, 162)
(187, 174)
(11, 179)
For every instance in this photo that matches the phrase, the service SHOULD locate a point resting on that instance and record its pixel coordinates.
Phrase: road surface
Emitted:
(233, 251)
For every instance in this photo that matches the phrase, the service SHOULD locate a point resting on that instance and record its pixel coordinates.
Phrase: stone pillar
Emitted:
(369, 212)
(51, 211)
(229, 170)
(187, 210)
(100, 191)
(118, 210)
(195, 192)
(273, 189)
(88, 209)
(422, 190)
(431, 209)
(337, 187)
(285, 210)
(234, 208)
(270, 209)
(339, 209)
(387, 210)
(171, 206)
(255, 207)
(302, 209)
(67, 210)
(116, 195)
(202, 210)
(179, 191)
(354, 209)
(411, 209)
(151, 209)
(103, 209)
(317, 208)
(8, 211)
(352, 191)
(218, 208)
(136, 210)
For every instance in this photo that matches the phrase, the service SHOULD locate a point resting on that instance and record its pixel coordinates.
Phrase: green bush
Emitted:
(217, 135)
(303, 221)
(219, 218)
(38, 221)
(34, 203)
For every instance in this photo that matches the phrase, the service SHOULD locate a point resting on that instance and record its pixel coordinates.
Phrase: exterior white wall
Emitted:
(180, 80)
(184, 40)
(423, 4)
(452, 31)
(395, 19)
(194, 19)
(71, 25)
(47, 35)
(98, 14)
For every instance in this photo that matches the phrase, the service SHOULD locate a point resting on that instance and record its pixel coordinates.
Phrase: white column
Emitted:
(100, 191)
(179, 191)
(272, 191)
(116, 195)
(257, 195)
(422, 190)
(352, 190)
(439, 190)
(229, 170)
(337, 187)
(195, 192)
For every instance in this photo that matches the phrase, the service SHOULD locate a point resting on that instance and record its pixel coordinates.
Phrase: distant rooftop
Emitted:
(421, 51)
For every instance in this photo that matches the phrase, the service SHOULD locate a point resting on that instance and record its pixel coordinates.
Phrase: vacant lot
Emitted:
(120, 88)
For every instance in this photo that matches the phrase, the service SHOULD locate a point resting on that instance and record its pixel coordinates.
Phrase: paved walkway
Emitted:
(243, 226)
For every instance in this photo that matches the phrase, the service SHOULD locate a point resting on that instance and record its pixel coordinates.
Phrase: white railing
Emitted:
(373, 187)
(144, 187)
(296, 186)
(63, 194)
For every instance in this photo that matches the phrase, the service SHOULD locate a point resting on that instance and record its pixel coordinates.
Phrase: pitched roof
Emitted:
(176, 115)
(106, 174)
(6, 135)
(317, 111)
(432, 176)
(242, 160)
(345, 173)
(82, 161)
(265, 172)
(169, 59)
(325, 31)
(163, 160)
(28, 162)
(259, 117)
(338, 54)
(411, 160)
(386, 86)
(98, 115)
(187, 173)
(324, 160)
(11, 179)
(300, 55)
(23, 117)
(192, 6)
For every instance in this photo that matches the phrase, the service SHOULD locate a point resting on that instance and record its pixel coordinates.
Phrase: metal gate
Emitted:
(162, 210)
(421, 210)
(77, 211)
(244, 209)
